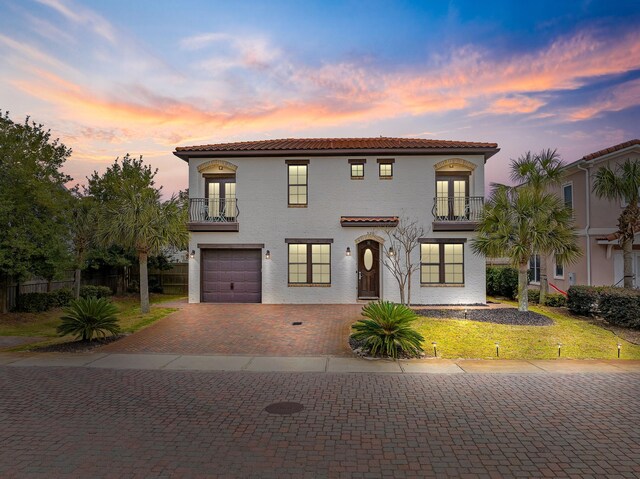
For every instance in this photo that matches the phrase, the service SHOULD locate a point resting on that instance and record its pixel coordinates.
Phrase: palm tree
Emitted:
(138, 219)
(520, 221)
(539, 171)
(622, 185)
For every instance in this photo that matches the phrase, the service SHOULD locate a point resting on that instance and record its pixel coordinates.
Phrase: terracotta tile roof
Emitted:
(611, 149)
(380, 143)
(369, 220)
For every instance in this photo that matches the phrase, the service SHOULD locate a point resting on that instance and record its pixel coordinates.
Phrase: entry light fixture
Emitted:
(348, 253)
(192, 254)
(392, 252)
(267, 255)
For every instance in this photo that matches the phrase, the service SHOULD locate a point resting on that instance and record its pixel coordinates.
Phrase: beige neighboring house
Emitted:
(596, 221)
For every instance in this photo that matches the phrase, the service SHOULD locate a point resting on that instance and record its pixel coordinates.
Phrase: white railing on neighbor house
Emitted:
(458, 208)
(213, 210)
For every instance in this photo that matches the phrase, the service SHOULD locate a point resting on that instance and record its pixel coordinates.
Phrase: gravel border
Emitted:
(498, 316)
(77, 346)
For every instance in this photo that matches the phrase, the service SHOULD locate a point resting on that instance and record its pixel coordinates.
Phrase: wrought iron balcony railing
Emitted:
(213, 210)
(457, 209)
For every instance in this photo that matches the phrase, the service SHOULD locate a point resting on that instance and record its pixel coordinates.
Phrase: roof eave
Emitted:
(487, 152)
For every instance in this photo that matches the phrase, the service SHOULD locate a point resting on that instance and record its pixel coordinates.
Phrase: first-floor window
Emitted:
(442, 263)
(309, 263)
(559, 272)
(534, 269)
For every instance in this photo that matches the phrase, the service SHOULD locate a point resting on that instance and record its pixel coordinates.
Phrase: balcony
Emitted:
(460, 213)
(213, 214)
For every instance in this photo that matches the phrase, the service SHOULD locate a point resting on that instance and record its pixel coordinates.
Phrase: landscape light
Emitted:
(619, 347)
(559, 348)
(267, 255)
(465, 314)
(435, 351)
(497, 350)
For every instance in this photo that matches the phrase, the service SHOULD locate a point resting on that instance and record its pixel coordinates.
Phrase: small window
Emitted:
(309, 263)
(386, 170)
(534, 269)
(297, 185)
(567, 195)
(442, 263)
(559, 270)
(357, 170)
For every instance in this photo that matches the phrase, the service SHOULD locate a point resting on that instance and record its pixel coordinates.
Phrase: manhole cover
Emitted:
(284, 408)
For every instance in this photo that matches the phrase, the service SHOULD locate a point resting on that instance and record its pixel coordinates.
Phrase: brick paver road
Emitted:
(86, 423)
(247, 329)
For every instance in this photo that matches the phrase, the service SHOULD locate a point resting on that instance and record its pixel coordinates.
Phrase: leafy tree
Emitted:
(622, 183)
(539, 171)
(520, 221)
(84, 217)
(133, 216)
(33, 201)
(402, 240)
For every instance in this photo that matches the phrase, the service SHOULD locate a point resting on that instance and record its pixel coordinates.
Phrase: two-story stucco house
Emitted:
(302, 220)
(596, 220)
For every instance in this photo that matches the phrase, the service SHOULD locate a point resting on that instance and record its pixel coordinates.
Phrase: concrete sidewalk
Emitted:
(319, 364)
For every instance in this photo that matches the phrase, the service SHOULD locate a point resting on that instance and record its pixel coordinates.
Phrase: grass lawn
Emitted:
(45, 324)
(472, 339)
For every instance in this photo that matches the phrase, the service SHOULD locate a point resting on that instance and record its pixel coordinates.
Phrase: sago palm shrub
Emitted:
(387, 330)
(86, 318)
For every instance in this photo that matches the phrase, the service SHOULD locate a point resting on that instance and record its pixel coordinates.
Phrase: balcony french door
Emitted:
(221, 199)
(452, 197)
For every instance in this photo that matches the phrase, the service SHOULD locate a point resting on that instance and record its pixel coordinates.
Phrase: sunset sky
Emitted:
(115, 77)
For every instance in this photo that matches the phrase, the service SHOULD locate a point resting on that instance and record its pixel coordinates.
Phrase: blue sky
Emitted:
(140, 77)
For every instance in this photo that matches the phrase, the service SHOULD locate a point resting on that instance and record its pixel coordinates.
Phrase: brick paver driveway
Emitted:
(247, 329)
(99, 423)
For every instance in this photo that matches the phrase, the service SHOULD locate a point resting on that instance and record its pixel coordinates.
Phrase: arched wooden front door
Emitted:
(368, 270)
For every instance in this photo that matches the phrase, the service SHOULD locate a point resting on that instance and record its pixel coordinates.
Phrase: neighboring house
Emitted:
(596, 221)
(302, 220)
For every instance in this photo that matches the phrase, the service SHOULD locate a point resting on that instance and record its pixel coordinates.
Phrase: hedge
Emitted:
(583, 300)
(95, 291)
(502, 281)
(34, 302)
(620, 306)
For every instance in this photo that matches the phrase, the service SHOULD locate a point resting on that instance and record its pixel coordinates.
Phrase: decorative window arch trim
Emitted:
(212, 163)
(455, 161)
(369, 236)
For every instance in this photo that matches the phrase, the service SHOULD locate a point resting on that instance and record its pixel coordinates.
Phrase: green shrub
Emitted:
(387, 329)
(502, 281)
(534, 296)
(555, 300)
(620, 306)
(34, 302)
(89, 317)
(90, 291)
(583, 300)
(61, 297)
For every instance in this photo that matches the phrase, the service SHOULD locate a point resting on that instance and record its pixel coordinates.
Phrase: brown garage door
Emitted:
(231, 276)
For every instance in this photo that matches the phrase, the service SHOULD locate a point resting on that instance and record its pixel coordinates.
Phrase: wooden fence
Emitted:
(119, 280)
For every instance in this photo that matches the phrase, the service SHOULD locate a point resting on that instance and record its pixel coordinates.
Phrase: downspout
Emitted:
(587, 194)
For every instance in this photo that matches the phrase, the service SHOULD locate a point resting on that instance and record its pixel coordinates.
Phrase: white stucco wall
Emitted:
(261, 188)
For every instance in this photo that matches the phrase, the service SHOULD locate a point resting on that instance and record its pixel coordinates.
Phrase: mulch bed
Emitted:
(499, 316)
(77, 346)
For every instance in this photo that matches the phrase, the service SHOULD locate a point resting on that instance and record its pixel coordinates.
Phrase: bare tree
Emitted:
(402, 240)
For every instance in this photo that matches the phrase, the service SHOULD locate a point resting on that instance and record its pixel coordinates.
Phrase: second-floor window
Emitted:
(357, 171)
(220, 191)
(567, 195)
(298, 186)
(452, 191)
